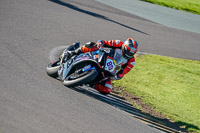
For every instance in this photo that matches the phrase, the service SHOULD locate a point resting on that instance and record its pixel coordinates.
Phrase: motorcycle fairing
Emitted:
(76, 61)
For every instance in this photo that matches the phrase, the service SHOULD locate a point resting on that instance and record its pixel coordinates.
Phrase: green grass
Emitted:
(192, 6)
(170, 85)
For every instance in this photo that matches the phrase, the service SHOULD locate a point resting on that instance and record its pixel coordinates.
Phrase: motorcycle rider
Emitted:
(125, 51)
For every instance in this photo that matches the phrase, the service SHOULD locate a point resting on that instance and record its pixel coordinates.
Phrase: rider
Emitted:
(126, 50)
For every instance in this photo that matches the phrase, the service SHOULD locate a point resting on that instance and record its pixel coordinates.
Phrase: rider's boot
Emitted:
(105, 88)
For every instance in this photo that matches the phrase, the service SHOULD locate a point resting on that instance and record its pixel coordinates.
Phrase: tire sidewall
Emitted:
(52, 70)
(80, 81)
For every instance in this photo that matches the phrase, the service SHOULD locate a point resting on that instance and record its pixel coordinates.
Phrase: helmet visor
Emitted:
(128, 52)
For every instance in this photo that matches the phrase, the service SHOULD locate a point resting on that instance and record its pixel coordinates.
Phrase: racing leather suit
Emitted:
(126, 64)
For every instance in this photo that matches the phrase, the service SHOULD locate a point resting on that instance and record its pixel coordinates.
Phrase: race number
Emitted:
(110, 65)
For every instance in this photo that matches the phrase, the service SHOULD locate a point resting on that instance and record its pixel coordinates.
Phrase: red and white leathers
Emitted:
(126, 64)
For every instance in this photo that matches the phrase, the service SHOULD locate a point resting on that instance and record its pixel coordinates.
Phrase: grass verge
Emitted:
(170, 85)
(192, 6)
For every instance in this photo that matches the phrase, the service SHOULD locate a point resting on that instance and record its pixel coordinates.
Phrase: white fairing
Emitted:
(120, 60)
(115, 64)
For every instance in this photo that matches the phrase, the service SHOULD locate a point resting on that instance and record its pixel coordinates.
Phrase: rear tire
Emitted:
(52, 69)
(82, 80)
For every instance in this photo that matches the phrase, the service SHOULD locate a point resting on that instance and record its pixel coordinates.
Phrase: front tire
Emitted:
(82, 80)
(52, 68)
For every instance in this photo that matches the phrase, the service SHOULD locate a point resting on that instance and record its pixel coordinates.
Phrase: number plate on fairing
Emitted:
(110, 65)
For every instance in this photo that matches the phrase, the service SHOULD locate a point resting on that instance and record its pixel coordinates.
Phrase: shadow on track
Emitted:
(94, 14)
(164, 125)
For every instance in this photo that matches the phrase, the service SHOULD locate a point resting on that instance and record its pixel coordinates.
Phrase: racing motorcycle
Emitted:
(86, 68)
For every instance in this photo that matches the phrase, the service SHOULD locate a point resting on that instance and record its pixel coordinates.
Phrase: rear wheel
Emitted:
(76, 79)
(52, 68)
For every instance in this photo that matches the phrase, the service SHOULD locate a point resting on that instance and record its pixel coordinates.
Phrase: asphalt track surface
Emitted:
(31, 102)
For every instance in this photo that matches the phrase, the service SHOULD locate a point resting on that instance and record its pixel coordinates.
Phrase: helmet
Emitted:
(129, 48)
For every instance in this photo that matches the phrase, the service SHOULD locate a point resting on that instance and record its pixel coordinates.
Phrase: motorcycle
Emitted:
(86, 68)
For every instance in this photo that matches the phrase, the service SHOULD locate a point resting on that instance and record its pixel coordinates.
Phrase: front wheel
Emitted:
(80, 79)
(52, 68)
